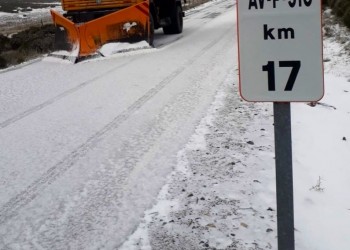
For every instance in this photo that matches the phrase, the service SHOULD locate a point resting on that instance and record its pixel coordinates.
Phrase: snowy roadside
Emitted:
(222, 193)
(11, 23)
(205, 204)
(321, 141)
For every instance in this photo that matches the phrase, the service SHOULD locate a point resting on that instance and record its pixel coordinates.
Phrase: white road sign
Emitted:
(280, 50)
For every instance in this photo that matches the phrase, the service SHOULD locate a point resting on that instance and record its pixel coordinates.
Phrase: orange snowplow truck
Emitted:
(86, 25)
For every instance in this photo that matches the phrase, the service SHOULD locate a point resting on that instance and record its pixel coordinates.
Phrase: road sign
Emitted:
(280, 50)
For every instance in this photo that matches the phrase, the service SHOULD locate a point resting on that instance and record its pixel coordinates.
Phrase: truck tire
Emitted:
(176, 22)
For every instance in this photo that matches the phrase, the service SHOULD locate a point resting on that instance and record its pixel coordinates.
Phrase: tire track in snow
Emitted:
(34, 109)
(10, 209)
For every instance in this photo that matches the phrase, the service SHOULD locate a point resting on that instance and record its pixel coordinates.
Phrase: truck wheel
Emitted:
(176, 22)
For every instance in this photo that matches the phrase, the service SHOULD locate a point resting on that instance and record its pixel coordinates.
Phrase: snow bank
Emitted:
(5, 14)
(114, 48)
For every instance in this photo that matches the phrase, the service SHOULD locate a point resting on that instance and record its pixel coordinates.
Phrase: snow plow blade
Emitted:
(131, 24)
(66, 37)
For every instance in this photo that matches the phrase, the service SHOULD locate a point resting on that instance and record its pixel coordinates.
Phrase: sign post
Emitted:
(284, 176)
(280, 61)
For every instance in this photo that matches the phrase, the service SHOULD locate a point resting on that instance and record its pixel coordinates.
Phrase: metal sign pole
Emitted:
(284, 176)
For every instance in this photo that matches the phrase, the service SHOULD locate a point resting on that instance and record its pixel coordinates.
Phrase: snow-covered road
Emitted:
(85, 148)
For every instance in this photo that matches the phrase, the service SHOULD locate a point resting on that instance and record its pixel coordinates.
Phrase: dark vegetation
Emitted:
(26, 45)
(341, 8)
